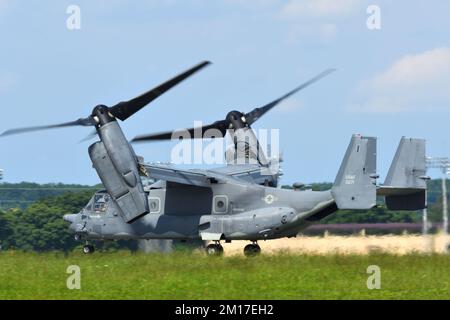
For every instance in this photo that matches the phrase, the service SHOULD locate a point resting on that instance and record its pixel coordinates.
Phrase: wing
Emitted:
(252, 173)
(204, 178)
(198, 178)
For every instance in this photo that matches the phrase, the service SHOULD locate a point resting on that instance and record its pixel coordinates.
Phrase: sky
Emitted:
(390, 82)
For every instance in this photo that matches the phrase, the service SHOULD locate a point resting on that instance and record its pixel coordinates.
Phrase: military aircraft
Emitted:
(237, 202)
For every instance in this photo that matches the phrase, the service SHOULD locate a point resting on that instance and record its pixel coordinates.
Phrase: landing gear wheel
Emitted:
(88, 249)
(252, 250)
(77, 237)
(214, 250)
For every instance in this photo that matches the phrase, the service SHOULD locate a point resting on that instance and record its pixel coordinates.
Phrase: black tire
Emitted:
(252, 250)
(214, 250)
(88, 249)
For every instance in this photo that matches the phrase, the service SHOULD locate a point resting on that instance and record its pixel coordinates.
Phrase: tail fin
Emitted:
(355, 185)
(405, 184)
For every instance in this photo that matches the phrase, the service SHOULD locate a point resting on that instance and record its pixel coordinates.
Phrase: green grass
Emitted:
(124, 275)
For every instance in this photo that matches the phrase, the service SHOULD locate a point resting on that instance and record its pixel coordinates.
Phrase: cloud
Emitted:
(320, 8)
(317, 19)
(414, 82)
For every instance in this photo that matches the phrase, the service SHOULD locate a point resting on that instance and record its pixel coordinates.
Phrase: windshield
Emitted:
(99, 203)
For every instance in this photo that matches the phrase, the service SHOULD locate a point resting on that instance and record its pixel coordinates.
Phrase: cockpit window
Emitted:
(99, 203)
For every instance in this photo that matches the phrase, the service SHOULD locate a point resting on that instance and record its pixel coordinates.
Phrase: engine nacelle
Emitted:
(116, 165)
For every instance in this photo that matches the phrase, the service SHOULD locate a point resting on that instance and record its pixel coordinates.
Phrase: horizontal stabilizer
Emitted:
(414, 200)
(355, 184)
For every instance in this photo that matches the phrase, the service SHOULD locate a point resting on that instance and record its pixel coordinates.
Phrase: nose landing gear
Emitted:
(88, 249)
(214, 249)
(252, 250)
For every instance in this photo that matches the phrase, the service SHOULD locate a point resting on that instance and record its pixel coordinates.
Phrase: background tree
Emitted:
(5, 230)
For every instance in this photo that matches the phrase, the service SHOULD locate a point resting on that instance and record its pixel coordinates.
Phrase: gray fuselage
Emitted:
(228, 211)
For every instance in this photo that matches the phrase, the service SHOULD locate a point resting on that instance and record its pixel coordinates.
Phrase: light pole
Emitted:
(443, 164)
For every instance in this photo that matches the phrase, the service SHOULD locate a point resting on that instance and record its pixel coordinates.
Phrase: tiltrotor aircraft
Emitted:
(237, 202)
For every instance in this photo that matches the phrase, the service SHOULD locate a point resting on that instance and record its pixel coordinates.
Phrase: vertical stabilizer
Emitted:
(408, 167)
(355, 184)
(405, 184)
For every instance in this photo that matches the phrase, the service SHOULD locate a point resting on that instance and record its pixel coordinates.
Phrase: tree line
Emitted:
(38, 225)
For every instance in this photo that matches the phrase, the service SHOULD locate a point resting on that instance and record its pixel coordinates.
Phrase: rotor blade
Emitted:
(124, 110)
(192, 133)
(80, 122)
(89, 136)
(257, 113)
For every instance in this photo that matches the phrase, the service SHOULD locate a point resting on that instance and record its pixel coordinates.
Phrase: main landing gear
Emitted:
(214, 249)
(252, 250)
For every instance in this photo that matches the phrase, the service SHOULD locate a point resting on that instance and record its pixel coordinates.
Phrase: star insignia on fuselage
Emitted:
(269, 199)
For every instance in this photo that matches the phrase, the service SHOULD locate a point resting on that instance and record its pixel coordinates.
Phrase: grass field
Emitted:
(124, 275)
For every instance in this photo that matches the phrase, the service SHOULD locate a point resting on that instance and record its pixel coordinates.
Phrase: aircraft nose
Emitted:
(69, 218)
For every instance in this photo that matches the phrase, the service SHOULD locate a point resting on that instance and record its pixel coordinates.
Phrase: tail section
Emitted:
(355, 184)
(405, 185)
